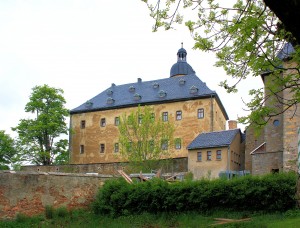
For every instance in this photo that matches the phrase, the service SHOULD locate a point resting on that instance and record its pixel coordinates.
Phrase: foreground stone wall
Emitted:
(29, 192)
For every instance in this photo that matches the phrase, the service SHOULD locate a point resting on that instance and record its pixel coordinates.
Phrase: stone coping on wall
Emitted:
(58, 174)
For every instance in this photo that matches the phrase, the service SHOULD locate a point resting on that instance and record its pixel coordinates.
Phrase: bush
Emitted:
(273, 192)
(49, 212)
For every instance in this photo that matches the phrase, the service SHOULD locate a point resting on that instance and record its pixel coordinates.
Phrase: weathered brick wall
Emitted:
(29, 192)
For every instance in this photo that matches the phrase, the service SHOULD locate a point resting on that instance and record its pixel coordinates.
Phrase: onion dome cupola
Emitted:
(181, 67)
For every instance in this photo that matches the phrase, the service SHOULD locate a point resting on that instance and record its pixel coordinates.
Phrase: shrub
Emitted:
(49, 212)
(273, 192)
(61, 212)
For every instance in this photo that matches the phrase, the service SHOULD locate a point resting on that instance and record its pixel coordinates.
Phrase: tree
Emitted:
(144, 139)
(247, 38)
(39, 136)
(7, 150)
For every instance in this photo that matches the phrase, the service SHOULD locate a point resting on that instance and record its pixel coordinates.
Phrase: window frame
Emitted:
(219, 155)
(178, 144)
(82, 124)
(199, 155)
(179, 115)
(208, 155)
(200, 113)
(116, 148)
(117, 121)
(165, 117)
(102, 122)
(102, 148)
(81, 149)
(164, 144)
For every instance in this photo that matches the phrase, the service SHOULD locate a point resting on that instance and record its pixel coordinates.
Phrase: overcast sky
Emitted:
(82, 46)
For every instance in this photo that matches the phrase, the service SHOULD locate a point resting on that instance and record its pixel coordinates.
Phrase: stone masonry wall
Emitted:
(173, 165)
(29, 192)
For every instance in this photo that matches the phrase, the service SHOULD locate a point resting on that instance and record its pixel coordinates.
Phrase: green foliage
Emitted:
(246, 37)
(8, 151)
(38, 136)
(49, 212)
(144, 138)
(61, 212)
(274, 192)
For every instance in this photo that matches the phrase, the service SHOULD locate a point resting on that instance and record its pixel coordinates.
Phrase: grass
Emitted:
(85, 218)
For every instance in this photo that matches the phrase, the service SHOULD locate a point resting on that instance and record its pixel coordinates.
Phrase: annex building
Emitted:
(182, 98)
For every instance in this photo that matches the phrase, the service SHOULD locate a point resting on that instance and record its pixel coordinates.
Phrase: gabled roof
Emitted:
(171, 89)
(214, 139)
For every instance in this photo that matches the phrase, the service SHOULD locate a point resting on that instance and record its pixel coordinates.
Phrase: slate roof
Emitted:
(286, 51)
(214, 139)
(171, 89)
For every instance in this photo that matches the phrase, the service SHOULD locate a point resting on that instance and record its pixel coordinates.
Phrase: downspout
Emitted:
(228, 162)
(211, 114)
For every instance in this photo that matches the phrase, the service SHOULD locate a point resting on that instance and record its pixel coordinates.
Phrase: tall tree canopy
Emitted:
(39, 136)
(247, 37)
(8, 150)
(144, 138)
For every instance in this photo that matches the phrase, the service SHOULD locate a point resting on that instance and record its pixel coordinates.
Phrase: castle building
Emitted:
(182, 99)
(276, 147)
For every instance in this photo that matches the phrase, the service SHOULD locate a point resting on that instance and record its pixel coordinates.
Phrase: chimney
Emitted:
(232, 124)
(113, 84)
(139, 80)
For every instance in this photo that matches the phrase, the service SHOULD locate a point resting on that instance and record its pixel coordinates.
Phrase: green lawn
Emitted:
(83, 218)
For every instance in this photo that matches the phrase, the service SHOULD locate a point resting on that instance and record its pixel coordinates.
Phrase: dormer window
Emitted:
(162, 93)
(88, 104)
(181, 81)
(155, 85)
(193, 90)
(109, 92)
(110, 100)
(137, 97)
(131, 89)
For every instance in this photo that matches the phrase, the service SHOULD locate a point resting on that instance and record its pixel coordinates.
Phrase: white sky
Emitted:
(82, 46)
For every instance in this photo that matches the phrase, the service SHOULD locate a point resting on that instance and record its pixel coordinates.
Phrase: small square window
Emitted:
(208, 155)
(82, 149)
(82, 124)
(117, 121)
(219, 155)
(116, 147)
(178, 115)
(177, 144)
(165, 116)
(200, 113)
(102, 148)
(199, 156)
(102, 122)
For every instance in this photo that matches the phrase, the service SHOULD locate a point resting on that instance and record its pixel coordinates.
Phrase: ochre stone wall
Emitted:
(207, 168)
(29, 192)
(186, 129)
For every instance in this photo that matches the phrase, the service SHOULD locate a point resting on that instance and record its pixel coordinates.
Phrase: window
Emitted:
(102, 122)
(82, 124)
(178, 115)
(208, 155)
(219, 154)
(116, 147)
(81, 149)
(165, 116)
(140, 118)
(151, 145)
(199, 156)
(200, 113)
(164, 144)
(177, 144)
(102, 148)
(152, 117)
(129, 147)
(117, 121)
